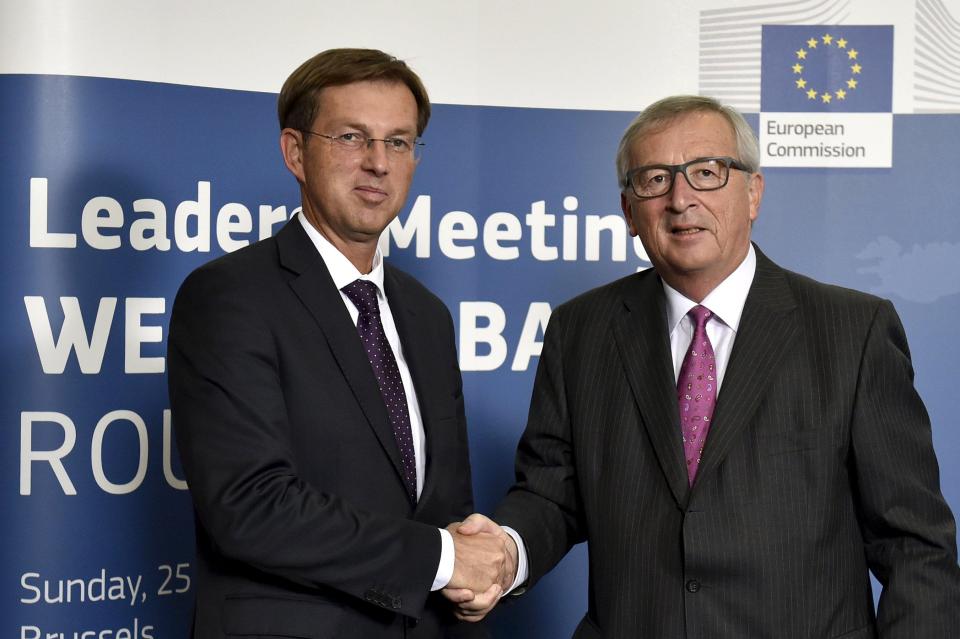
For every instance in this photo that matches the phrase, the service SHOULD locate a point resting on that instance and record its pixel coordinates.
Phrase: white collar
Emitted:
(341, 269)
(725, 301)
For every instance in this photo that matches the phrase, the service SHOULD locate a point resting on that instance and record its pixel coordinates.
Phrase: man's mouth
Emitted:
(371, 193)
(687, 230)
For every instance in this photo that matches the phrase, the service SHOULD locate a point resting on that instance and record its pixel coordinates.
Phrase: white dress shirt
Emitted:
(726, 303)
(344, 272)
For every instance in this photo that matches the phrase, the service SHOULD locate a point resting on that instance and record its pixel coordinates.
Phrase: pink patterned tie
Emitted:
(697, 391)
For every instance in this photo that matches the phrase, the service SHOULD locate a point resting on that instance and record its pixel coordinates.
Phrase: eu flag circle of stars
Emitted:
(805, 54)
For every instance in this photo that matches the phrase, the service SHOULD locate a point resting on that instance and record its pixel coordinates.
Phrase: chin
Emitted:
(693, 258)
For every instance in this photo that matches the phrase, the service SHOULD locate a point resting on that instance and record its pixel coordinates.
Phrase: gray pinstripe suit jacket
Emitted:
(818, 467)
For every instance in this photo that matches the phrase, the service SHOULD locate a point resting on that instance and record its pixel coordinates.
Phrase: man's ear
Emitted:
(755, 193)
(625, 207)
(291, 146)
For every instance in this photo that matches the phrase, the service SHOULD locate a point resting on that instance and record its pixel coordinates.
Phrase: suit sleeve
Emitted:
(232, 432)
(909, 532)
(460, 482)
(544, 504)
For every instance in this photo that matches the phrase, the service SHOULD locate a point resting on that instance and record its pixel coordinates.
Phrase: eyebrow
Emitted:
(690, 161)
(366, 130)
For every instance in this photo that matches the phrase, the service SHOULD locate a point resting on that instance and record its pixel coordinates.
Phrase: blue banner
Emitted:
(112, 201)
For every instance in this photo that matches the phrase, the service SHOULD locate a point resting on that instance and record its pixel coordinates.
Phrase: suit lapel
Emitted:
(415, 340)
(316, 290)
(768, 327)
(641, 334)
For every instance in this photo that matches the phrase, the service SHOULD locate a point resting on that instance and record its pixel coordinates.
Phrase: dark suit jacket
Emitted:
(303, 525)
(818, 466)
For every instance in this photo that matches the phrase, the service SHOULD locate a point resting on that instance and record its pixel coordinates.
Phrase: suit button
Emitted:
(693, 585)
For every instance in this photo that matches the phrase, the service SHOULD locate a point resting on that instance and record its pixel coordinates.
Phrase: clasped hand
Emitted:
(485, 566)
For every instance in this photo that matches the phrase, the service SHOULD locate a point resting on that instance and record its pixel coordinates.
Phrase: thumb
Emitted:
(477, 523)
(458, 595)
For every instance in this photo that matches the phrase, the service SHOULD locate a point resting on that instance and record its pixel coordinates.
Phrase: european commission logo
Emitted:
(826, 95)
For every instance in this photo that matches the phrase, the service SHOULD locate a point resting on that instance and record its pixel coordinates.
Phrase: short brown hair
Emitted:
(298, 104)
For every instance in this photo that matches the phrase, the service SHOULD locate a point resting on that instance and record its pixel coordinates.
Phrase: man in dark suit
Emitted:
(740, 445)
(316, 392)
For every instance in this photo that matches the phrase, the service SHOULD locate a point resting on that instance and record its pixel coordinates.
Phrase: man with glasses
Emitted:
(316, 394)
(740, 445)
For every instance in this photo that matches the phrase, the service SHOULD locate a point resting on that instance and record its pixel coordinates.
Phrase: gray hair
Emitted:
(667, 109)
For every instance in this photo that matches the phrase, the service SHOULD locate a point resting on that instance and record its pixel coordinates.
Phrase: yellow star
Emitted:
(801, 54)
(827, 39)
(826, 97)
(797, 68)
(841, 94)
(841, 44)
(811, 95)
(812, 43)
(851, 84)
(855, 68)
(801, 84)
(852, 54)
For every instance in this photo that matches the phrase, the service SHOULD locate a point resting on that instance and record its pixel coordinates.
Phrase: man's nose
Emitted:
(681, 194)
(375, 157)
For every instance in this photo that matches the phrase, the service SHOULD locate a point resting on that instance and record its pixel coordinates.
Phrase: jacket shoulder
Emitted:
(412, 289)
(814, 291)
(606, 296)
(246, 273)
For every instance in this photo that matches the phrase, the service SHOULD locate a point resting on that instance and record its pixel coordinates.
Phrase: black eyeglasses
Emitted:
(353, 141)
(702, 174)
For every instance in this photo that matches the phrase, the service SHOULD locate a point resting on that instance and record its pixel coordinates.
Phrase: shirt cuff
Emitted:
(522, 566)
(447, 558)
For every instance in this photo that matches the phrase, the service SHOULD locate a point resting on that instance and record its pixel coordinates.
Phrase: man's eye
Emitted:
(655, 179)
(350, 137)
(398, 144)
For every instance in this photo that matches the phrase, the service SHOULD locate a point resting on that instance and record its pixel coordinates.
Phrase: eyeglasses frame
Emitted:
(416, 147)
(727, 161)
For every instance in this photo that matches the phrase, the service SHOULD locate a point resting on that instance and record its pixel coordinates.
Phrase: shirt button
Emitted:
(693, 585)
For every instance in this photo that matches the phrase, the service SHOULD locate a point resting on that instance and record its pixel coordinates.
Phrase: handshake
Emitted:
(485, 566)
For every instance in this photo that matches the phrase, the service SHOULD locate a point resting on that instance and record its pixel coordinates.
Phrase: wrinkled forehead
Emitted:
(702, 132)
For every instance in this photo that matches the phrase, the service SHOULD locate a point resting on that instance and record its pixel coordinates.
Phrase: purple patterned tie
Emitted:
(697, 391)
(363, 294)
